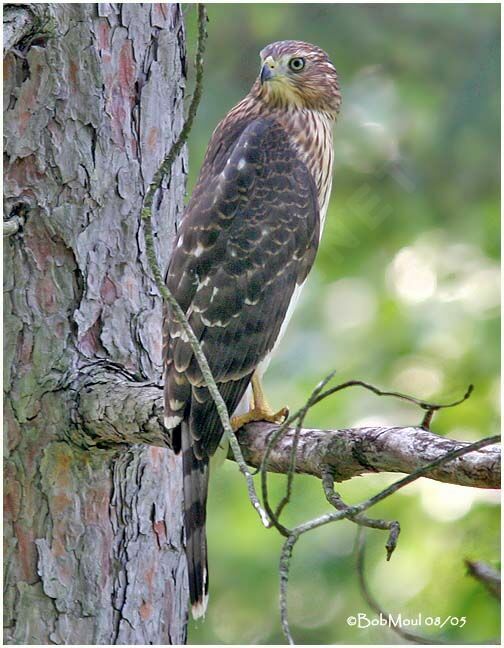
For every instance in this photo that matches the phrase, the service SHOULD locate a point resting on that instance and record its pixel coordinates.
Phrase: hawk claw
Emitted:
(259, 414)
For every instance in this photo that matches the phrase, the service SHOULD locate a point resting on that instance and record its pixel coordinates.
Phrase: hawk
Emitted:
(244, 248)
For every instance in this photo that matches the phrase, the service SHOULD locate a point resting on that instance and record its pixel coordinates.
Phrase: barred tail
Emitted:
(196, 475)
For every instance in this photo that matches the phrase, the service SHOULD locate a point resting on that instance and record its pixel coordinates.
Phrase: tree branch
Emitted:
(111, 409)
(355, 451)
(486, 575)
(353, 512)
(114, 408)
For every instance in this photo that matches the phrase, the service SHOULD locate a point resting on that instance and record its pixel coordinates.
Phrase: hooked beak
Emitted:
(266, 74)
(268, 70)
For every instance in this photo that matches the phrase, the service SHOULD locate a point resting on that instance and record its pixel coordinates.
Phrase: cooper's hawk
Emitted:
(245, 246)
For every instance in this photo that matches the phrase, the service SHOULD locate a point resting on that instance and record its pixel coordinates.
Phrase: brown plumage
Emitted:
(245, 246)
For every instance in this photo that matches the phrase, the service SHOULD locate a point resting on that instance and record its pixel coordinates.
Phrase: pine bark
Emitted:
(93, 531)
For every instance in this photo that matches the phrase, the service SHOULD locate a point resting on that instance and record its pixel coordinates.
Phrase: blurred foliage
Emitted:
(404, 293)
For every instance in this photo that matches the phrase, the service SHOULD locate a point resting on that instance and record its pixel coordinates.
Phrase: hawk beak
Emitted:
(268, 70)
(266, 74)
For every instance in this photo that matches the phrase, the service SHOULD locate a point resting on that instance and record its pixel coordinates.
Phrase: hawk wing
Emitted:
(249, 236)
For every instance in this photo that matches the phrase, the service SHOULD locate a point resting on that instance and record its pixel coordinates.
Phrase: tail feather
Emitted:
(196, 473)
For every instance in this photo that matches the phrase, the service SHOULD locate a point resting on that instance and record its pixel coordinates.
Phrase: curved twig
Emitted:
(316, 396)
(352, 511)
(486, 575)
(376, 607)
(392, 526)
(163, 170)
(373, 603)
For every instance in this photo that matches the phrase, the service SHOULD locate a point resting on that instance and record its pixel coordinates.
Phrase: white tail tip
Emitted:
(199, 609)
(171, 422)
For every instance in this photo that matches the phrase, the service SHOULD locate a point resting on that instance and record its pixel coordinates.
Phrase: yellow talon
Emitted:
(259, 410)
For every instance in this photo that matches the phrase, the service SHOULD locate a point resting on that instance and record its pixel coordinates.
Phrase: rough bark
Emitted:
(17, 24)
(352, 452)
(93, 532)
(133, 414)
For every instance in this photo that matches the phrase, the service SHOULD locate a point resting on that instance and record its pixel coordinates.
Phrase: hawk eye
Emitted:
(297, 64)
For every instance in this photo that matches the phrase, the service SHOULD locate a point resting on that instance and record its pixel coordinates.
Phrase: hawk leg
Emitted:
(260, 410)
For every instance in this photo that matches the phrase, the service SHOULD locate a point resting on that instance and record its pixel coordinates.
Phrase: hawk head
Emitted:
(299, 74)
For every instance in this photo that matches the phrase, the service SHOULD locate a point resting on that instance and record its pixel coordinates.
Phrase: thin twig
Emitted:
(420, 472)
(300, 415)
(376, 607)
(373, 603)
(429, 407)
(411, 399)
(285, 557)
(486, 575)
(275, 437)
(315, 397)
(163, 170)
(334, 498)
(351, 511)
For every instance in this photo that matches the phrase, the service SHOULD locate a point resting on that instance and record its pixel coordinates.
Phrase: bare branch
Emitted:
(351, 512)
(116, 408)
(392, 526)
(317, 395)
(429, 408)
(486, 575)
(454, 454)
(355, 451)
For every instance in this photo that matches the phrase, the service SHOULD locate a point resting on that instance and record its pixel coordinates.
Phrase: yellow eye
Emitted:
(297, 64)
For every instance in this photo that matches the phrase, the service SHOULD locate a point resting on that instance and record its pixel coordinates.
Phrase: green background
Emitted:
(404, 293)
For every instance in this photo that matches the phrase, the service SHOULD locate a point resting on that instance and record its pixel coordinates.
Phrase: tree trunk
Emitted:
(93, 532)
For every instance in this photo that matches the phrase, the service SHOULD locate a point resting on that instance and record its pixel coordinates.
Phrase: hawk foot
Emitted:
(259, 414)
